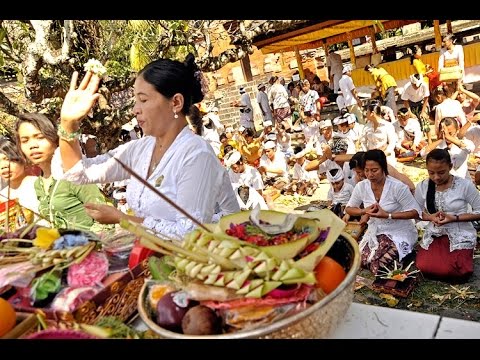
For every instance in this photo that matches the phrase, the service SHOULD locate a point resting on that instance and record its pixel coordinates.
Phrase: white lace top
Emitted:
(455, 200)
(396, 197)
(189, 174)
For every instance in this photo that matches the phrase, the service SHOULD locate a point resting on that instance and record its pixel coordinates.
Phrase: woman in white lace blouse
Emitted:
(180, 164)
(378, 133)
(389, 208)
(446, 248)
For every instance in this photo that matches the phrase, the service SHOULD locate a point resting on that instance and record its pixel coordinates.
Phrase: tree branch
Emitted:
(227, 56)
(9, 107)
(40, 51)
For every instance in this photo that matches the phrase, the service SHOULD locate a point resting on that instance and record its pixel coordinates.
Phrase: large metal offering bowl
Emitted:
(318, 321)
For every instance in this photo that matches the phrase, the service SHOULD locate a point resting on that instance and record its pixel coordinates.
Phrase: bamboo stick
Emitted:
(152, 188)
(28, 323)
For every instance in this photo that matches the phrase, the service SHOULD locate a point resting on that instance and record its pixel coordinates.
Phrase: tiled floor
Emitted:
(377, 322)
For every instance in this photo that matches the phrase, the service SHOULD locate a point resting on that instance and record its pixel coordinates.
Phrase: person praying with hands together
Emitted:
(389, 210)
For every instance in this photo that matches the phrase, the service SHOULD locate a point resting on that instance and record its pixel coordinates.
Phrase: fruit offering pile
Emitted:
(219, 282)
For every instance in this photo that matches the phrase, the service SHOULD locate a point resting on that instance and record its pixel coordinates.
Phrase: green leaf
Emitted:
(3, 32)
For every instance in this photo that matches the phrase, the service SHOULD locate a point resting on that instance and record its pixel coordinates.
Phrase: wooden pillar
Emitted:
(246, 68)
(299, 63)
(449, 26)
(325, 49)
(438, 35)
(374, 42)
(352, 50)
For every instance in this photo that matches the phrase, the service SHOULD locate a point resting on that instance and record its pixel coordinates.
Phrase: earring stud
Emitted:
(175, 115)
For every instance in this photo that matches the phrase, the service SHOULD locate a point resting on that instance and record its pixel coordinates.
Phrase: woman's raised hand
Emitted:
(79, 100)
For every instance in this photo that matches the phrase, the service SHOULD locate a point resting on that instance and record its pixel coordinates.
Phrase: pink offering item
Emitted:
(89, 272)
(70, 298)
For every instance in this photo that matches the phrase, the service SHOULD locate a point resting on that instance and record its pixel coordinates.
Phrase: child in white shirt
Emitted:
(339, 193)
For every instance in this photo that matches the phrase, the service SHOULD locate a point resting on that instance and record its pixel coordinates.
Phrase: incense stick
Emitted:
(151, 187)
(7, 220)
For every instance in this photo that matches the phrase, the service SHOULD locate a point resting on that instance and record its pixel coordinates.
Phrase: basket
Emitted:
(317, 321)
(118, 298)
(451, 73)
(18, 216)
(355, 229)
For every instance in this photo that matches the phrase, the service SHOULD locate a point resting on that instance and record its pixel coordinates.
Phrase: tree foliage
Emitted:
(44, 53)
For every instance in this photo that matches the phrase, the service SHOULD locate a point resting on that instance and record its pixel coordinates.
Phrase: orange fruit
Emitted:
(329, 274)
(8, 317)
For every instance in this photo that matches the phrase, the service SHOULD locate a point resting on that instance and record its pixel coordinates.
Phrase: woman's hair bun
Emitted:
(190, 63)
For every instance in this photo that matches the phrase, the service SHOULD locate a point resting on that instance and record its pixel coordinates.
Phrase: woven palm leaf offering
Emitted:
(254, 274)
(37, 267)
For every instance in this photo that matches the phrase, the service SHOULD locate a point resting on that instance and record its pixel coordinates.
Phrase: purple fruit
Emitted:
(169, 314)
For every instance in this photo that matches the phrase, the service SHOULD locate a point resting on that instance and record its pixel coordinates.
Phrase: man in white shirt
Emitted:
(246, 109)
(352, 101)
(382, 137)
(299, 170)
(415, 98)
(334, 66)
(262, 99)
(408, 132)
(345, 132)
(213, 115)
(242, 174)
(273, 164)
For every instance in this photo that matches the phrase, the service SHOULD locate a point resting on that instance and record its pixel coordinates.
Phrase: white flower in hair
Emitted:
(95, 66)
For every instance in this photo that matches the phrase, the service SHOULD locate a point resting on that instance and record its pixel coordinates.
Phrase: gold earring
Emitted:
(175, 115)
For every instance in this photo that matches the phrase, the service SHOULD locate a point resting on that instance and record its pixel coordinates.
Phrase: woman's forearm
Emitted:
(69, 144)
(70, 152)
(355, 211)
(131, 218)
(405, 215)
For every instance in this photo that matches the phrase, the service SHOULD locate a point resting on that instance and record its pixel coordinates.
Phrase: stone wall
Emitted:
(224, 83)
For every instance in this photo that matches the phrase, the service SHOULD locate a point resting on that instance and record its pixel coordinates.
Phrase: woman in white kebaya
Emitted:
(389, 209)
(180, 164)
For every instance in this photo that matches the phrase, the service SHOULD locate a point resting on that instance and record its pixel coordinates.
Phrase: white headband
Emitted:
(232, 158)
(338, 176)
(269, 145)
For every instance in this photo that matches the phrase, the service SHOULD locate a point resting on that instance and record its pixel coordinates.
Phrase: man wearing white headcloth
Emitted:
(344, 131)
(210, 134)
(326, 131)
(120, 195)
(273, 164)
(248, 198)
(299, 168)
(340, 191)
(213, 115)
(415, 98)
(356, 127)
(351, 99)
(242, 174)
(246, 109)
